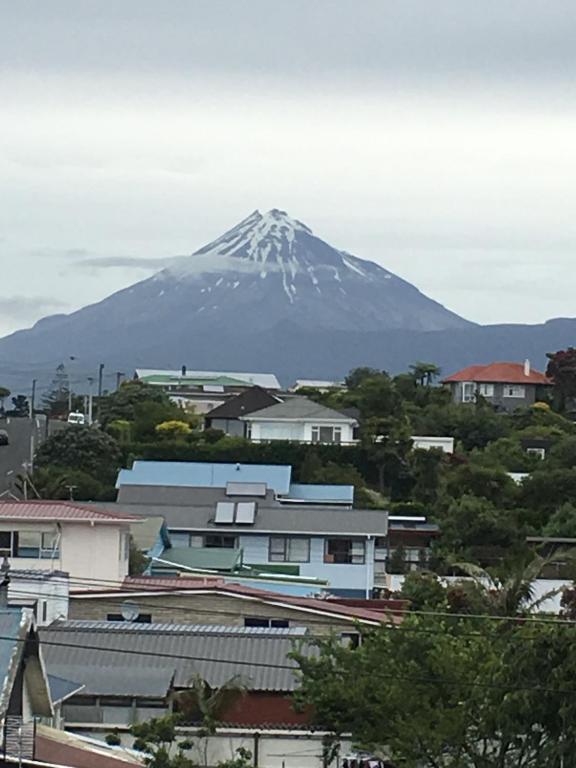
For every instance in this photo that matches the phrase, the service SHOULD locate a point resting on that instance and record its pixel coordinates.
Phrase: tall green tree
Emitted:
(446, 692)
(82, 448)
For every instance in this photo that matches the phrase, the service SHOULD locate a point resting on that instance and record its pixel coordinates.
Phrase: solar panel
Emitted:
(245, 512)
(246, 489)
(224, 512)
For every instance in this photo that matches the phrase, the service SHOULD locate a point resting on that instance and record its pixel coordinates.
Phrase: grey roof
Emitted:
(62, 689)
(271, 517)
(298, 408)
(110, 658)
(173, 495)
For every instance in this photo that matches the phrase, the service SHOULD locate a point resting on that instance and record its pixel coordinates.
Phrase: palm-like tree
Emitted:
(511, 591)
(200, 703)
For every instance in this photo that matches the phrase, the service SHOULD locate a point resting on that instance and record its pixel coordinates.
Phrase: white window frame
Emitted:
(514, 391)
(486, 390)
(468, 392)
(280, 549)
(336, 434)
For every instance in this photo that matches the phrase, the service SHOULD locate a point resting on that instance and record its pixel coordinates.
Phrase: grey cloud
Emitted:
(453, 38)
(130, 262)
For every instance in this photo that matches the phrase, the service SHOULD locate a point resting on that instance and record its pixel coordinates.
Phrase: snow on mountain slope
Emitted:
(269, 271)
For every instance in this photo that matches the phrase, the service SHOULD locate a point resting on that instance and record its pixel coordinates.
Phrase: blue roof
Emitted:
(14, 625)
(61, 689)
(200, 474)
(342, 494)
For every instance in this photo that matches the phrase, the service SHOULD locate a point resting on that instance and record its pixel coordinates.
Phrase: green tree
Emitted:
(158, 739)
(562, 371)
(562, 524)
(425, 373)
(4, 393)
(82, 448)
(359, 375)
(55, 402)
(52, 482)
(20, 406)
(173, 430)
(443, 692)
(122, 404)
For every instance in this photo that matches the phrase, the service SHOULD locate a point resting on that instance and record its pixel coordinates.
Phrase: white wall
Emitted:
(299, 431)
(425, 443)
(356, 577)
(51, 592)
(94, 552)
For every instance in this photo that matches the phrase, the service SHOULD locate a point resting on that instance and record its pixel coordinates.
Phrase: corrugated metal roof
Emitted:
(199, 474)
(328, 493)
(298, 408)
(272, 518)
(14, 626)
(265, 380)
(60, 510)
(118, 659)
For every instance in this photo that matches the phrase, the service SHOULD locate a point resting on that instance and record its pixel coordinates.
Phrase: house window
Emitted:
(181, 539)
(468, 392)
(254, 621)
(350, 639)
(142, 618)
(513, 390)
(326, 434)
(289, 549)
(345, 551)
(540, 452)
(215, 541)
(30, 544)
(486, 390)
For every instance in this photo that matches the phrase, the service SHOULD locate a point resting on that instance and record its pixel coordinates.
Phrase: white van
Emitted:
(76, 418)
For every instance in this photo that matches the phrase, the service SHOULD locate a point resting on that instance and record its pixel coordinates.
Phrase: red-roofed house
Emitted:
(91, 545)
(506, 385)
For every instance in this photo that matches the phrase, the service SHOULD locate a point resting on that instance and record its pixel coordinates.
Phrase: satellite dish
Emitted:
(129, 611)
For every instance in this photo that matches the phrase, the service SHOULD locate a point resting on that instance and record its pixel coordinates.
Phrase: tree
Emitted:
(158, 738)
(443, 692)
(562, 523)
(425, 373)
(562, 371)
(4, 393)
(82, 448)
(173, 430)
(358, 375)
(53, 482)
(55, 401)
(122, 404)
(20, 406)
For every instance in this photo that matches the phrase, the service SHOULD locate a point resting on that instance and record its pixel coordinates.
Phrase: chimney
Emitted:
(526, 367)
(183, 371)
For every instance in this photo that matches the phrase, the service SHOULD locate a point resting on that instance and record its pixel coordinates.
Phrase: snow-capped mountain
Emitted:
(272, 268)
(267, 275)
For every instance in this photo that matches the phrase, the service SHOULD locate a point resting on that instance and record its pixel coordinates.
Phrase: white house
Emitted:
(300, 420)
(87, 543)
(427, 442)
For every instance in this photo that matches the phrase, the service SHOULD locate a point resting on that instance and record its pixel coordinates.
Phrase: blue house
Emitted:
(309, 531)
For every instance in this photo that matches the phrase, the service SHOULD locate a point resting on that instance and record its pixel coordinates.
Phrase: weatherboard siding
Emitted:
(204, 609)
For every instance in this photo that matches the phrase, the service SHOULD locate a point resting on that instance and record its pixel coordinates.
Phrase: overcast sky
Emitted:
(436, 137)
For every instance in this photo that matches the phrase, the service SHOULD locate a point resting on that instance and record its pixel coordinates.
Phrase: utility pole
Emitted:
(90, 399)
(119, 375)
(33, 399)
(100, 378)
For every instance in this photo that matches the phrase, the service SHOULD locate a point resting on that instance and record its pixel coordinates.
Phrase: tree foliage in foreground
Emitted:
(447, 692)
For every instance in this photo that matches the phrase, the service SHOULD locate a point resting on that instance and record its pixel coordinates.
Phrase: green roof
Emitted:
(200, 558)
(194, 381)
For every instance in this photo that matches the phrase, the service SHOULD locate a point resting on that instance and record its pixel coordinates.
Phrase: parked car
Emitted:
(76, 418)
(4, 439)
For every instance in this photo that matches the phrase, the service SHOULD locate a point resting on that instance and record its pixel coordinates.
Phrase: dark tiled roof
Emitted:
(254, 399)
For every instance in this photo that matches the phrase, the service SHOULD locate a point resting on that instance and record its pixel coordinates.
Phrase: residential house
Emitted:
(88, 543)
(45, 593)
(24, 694)
(213, 602)
(429, 442)
(331, 543)
(300, 420)
(507, 386)
(109, 659)
(407, 547)
(276, 478)
(226, 417)
(202, 391)
(322, 385)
